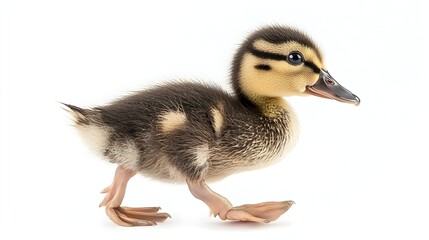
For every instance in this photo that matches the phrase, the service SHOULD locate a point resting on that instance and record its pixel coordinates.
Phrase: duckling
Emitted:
(195, 133)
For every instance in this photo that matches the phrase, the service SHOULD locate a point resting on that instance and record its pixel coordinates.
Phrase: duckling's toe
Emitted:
(262, 212)
(241, 215)
(128, 217)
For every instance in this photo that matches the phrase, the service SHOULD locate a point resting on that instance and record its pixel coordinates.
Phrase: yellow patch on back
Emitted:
(172, 120)
(218, 119)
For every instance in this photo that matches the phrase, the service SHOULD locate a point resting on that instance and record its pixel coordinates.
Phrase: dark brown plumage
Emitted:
(236, 146)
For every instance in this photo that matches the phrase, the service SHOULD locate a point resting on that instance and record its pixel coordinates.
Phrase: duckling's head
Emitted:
(278, 61)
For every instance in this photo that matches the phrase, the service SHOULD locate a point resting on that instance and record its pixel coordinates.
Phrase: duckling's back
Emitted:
(184, 130)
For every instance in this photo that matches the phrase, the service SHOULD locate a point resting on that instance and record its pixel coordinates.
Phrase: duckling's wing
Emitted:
(148, 109)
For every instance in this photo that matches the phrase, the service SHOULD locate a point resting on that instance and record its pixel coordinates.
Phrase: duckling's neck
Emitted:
(270, 106)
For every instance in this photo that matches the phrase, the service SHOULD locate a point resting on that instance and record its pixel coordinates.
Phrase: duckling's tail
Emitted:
(90, 127)
(80, 115)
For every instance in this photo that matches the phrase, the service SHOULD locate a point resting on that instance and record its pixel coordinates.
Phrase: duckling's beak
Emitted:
(328, 87)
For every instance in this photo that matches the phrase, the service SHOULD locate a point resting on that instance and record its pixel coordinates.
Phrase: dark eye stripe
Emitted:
(280, 57)
(312, 66)
(267, 55)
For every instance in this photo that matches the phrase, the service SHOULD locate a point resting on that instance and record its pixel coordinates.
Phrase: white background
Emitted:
(356, 173)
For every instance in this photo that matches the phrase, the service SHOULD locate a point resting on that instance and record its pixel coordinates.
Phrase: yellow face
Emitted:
(271, 74)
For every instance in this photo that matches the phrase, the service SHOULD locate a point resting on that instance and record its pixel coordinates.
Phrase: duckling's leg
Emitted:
(126, 216)
(219, 205)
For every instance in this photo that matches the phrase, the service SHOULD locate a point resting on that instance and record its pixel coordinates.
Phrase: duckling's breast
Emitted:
(251, 141)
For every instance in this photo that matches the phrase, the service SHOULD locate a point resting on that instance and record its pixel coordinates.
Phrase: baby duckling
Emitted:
(194, 132)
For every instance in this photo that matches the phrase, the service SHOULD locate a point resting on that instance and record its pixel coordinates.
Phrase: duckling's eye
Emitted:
(295, 58)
